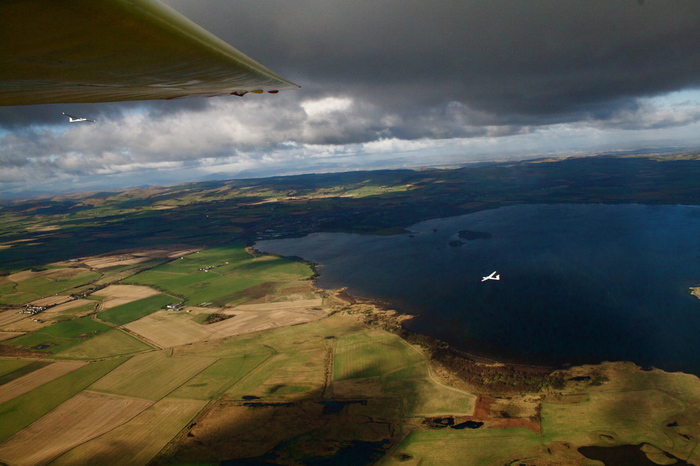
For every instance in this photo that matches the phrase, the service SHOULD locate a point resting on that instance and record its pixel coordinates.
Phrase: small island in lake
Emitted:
(472, 235)
(695, 291)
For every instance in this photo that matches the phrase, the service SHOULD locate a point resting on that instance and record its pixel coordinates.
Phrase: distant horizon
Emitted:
(386, 162)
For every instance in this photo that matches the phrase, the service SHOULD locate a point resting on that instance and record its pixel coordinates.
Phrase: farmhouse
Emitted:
(30, 309)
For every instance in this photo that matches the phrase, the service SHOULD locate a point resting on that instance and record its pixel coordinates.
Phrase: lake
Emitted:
(580, 283)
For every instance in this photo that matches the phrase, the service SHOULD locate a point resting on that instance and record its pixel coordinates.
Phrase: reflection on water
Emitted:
(579, 283)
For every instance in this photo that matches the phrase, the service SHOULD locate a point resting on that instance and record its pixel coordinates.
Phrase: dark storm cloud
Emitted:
(546, 60)
(505, 62)
(384, 77)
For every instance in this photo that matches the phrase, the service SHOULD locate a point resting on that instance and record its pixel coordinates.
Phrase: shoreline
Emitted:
(386, 316)
(397, 318)
(390, 313)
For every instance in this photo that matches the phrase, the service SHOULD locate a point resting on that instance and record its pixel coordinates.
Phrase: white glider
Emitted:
(493, 276)
(74, 119)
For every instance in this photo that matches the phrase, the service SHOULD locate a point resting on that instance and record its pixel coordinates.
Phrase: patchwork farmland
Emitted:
(126, 366)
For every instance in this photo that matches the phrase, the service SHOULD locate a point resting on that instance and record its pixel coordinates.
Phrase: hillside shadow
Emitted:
(306, 430)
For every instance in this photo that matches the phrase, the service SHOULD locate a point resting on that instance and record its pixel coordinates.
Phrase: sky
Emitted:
(387, 84)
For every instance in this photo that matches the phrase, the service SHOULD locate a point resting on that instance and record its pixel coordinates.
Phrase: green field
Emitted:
(225, 348)
(293, 359)
(424, 395)
(480, 447)
(43, 286)
(213, 381)
(254, 383)
(19, 412)
(630, 417)
(6, 288)
(402, 371)
(73, 313)
(373, 354)
(8, 366)
(109, 344)
(39, 287)
(129, 312)
(151, 376)
(17, 298)
(140, 439)
(61, 336)
(234, 272)
(15, 368)
(302, 374)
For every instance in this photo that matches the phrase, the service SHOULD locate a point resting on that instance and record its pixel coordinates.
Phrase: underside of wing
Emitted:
(115, 50)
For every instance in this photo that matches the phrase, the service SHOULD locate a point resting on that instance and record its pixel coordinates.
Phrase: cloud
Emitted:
(508, 58)
(389, 77)
(239, 134)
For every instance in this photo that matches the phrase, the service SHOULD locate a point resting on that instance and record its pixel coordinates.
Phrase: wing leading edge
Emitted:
(116, 50)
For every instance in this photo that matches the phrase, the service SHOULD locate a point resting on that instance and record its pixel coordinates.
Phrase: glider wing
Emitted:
(115, 50)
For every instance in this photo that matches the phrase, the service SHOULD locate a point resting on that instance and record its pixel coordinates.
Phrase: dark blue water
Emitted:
(579, 283)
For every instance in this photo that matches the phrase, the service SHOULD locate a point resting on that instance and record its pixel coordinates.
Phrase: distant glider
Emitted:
(74, 119)
(125, 50)
(493, 276)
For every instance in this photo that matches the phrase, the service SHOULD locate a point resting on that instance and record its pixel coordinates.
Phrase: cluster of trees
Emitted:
(504, 378)
(216, 317)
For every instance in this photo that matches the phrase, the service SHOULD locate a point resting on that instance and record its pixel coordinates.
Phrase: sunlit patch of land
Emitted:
(82, 418)
(117, 295)
(23, 410)
(134, 256)
(29, 285)
(7, 335)
(46, 228)
(695, 291)
(168, 329)
(37, 378)
(140, 439)
(12, 321)
(124, 366)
